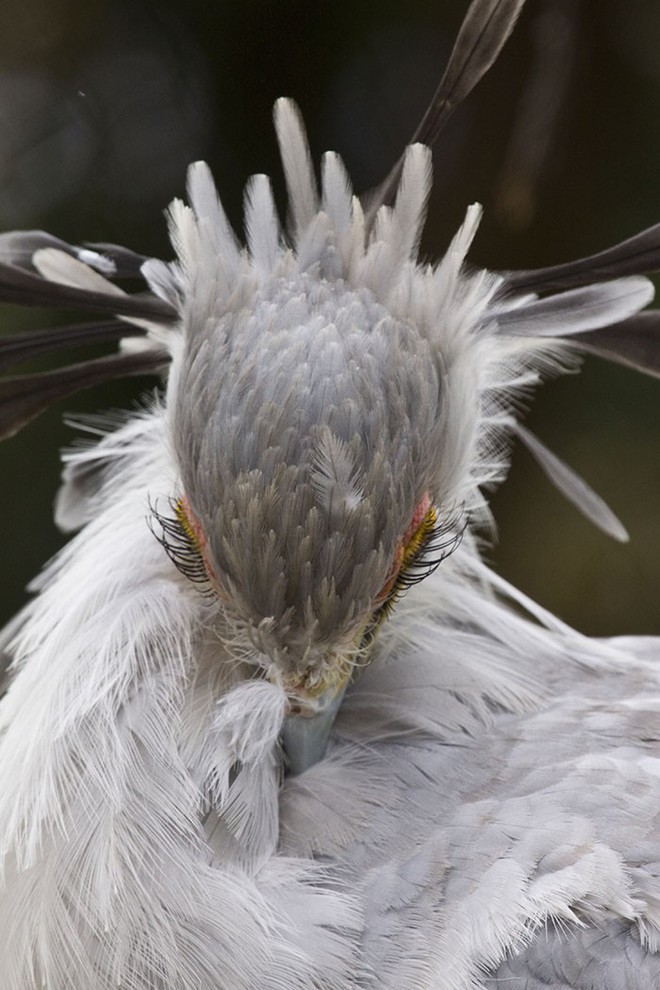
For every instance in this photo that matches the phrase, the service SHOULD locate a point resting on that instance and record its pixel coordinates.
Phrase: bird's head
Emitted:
(304, 428)
(313, 416)
(335, 407)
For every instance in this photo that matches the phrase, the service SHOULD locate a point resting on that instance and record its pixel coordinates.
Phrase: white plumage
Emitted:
(486, 813)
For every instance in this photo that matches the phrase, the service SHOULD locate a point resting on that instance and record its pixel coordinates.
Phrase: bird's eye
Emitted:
(431, 543)
(178, 538)
(426, 544)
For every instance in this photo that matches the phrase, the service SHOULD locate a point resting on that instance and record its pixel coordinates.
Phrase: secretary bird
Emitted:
(271, 722)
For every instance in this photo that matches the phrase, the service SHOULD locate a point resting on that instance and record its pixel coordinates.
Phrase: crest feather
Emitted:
(261, 224)
(297, 164)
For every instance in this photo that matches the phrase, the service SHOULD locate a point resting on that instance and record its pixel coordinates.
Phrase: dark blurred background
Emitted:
(103, 104)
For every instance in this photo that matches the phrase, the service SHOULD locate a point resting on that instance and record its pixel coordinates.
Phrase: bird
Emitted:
(269, 719)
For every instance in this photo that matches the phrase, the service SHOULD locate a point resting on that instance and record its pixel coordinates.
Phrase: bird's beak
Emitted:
(305, 732)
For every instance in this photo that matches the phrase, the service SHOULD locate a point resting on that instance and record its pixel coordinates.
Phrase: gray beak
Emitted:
(305, 737)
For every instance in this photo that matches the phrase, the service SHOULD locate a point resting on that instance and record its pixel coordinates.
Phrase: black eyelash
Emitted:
(442, 540)
(178, 544)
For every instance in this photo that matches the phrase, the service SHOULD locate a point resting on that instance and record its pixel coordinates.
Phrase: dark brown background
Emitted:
(103, 104)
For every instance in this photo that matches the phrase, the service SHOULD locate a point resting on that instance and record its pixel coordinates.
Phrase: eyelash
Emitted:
(438, 541)
(179, 543)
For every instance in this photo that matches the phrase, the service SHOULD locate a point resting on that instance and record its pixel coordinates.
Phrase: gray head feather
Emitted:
(304, 426)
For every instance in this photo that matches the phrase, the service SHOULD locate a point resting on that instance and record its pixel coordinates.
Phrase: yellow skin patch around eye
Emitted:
(191, 529)
(420, 527)
(420, 534)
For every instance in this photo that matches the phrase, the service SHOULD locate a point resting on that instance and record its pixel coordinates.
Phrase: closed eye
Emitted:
(433, 540)
(176, 535)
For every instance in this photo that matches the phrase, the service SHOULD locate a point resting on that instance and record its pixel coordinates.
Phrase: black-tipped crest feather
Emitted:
(17, 348)
(23, 288)
(637, 255)
(634, 343)
(484, 31)
(24, 397)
